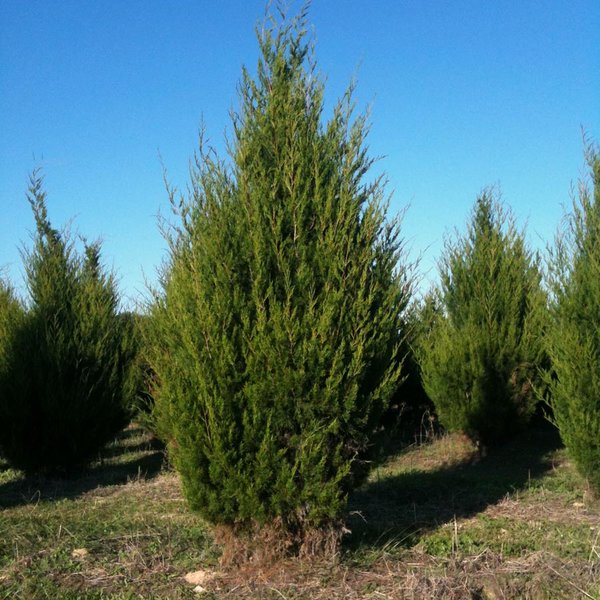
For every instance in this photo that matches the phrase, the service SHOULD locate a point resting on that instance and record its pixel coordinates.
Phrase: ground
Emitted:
(434, 520)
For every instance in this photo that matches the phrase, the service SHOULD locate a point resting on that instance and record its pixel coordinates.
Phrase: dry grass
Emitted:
(433, 521)
(417, 577)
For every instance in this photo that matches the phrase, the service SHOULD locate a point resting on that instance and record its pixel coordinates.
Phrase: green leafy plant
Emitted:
(67, 372)
(574, 338)
(278, 331)
(484, 346)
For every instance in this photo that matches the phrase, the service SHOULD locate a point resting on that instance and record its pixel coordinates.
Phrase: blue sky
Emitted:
(463, 94)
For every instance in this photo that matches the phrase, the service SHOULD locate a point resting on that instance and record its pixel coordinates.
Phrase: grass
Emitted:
(434, 521)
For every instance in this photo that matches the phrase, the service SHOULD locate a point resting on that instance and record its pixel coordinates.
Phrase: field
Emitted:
(434, 521)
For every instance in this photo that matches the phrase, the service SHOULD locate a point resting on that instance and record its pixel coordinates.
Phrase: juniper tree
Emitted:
(11, 311)
(574, 337)
(67, 375)
(135, 325)
(410, 406)
(278, 329)
(485, 348)
(11, 315)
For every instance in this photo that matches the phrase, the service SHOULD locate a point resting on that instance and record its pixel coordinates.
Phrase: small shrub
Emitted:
(66, 379)
(278, 333)
(574, 337)
(484, 344)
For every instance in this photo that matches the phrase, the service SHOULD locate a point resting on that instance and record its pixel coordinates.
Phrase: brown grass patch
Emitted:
(487, 576)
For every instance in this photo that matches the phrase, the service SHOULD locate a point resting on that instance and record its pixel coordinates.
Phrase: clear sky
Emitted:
(463, 94)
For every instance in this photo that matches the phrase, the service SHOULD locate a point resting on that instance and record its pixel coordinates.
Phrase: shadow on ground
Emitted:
(120, 449)
(399, 509)
(112, 468)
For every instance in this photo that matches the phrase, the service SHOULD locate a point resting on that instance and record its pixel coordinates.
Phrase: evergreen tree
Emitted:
(411, 407)
(574, 338)
(135, 325)
(67, 372)
(483, 351)
(277, 335)
(11, 315)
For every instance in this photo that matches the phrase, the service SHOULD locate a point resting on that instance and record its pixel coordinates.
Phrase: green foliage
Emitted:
(574, 338)
(484, 344)
(66, 375)
(277, 338)
(142, 402)
(132, 325)
(11, 316)
(411, 407)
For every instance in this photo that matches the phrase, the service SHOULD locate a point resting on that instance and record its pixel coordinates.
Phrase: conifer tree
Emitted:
(411, 407)
(574, 337)
(11, 311)
(11, 315)
(483, 351)
(67, 374)
(277, 333)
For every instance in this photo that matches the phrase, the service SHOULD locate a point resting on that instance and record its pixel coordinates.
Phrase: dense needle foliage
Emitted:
(485, 346)
(66, 376)
(277, 334)
(411, 409)
(11, 315)
(574, 339)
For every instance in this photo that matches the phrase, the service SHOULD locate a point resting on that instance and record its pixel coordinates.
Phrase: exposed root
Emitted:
(266, 544)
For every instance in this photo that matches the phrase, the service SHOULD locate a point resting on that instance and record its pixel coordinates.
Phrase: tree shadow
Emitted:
(36, 488)
(399, 509)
